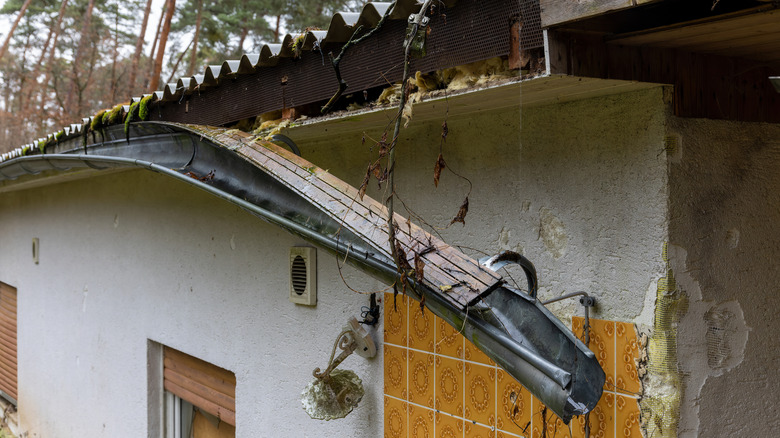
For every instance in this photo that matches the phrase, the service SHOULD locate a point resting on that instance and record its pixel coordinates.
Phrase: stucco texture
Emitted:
(579, 188)
(134, 256)
(725, 207)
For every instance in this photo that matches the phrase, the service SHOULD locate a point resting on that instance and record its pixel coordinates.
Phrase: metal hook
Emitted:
(353, 338)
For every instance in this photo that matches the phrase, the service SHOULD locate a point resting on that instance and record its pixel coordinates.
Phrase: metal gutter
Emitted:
(511, 327)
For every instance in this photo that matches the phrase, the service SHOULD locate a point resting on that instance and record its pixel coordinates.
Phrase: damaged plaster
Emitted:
(553, 233)
(724, 198)
(711, 341)
(662, 386)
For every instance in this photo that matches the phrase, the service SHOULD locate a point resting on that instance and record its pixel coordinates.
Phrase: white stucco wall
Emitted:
(133, 256)
(579, 188)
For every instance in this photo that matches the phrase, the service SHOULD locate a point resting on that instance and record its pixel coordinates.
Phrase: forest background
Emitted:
(62, 60)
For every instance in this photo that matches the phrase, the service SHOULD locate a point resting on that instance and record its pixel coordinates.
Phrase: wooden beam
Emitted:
(705, 85)
(555, 12)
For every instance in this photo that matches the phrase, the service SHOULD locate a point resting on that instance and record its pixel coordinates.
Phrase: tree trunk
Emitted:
(52, 57)
(147, 71)
(242, 37)
(35, 85)
(77, 60)
(13, 28)
(155, 80)
(276, 29)
(178, 61)
(194, 55)
(115, 55)
(139, 46)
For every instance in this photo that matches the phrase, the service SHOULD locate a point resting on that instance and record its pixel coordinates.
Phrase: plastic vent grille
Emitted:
(470, 31)
(298, 275)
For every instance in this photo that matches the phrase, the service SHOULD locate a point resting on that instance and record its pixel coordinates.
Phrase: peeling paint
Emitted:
(712, 341)
(553, 233)
(732, 238)
(662, 385)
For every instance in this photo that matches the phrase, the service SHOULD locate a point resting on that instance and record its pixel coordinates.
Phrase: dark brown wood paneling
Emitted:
(207, 386)
(8, 348)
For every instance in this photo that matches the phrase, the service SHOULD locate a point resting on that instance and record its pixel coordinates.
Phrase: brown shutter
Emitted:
(8, 341)
(207, 386)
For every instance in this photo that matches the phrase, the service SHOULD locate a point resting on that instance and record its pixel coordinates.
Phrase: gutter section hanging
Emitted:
(511, 327)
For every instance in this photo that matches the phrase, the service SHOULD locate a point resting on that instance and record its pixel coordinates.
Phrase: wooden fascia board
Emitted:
(557, 12)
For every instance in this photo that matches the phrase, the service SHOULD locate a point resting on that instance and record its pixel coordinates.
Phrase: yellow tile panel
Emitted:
(478, 431)
(546, 423)
(602, 418)
(627, 378)
(395, 319)
(448, 426)
(448, 341)
(420, 422)
(421, 328)
(474, 354)
(480, 392)
(627, 417)
(421, 382)
(602, 343)
(395, 371)
(395, 418)
(449, 386)
(514, 405)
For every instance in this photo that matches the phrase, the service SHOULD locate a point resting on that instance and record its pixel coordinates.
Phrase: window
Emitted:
(8, 368)
(200, 398)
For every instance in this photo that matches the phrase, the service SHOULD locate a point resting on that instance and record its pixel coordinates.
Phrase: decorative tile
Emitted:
(576, 327)
(421, 372)
(602, 343)
(545, 422)
(627, 417)
(514, 405)
(627, 378)
(448, 426)
(421, 329)
(474, 354)
(480, 392)
(478, 431)
(602, 418)
(395, 319)
(395, 371)
(395, 418)
(448, 341)
(449, 386)
(420, 422)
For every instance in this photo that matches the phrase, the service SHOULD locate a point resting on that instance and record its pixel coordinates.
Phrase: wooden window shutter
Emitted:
(8, 375)
(207, 386)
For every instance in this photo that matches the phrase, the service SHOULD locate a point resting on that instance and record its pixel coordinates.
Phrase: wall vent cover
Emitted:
(303, 275)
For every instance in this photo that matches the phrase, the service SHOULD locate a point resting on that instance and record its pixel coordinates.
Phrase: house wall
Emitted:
(724, 243)
(134, 256)
(580, 189)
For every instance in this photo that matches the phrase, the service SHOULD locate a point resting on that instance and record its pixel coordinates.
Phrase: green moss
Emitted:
(25, 150)
(115, 116)
(51, 141)
(97, 121)
(132, 114)
(143, 108)
(58, 136)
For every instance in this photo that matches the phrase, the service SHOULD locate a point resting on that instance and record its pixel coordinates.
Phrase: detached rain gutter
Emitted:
(512, 327)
